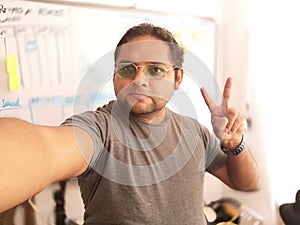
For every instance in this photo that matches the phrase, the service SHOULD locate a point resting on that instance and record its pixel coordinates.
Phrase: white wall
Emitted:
(234, 52)
(261, 46)
(275, 67)
(275, 62)
(234, 29)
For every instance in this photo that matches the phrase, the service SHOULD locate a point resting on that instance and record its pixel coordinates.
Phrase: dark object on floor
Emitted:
(290, 212)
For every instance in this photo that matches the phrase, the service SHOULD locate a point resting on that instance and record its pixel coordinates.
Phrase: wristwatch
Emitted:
(237, 150)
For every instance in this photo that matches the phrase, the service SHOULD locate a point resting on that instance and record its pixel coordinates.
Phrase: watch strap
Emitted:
(237, 150)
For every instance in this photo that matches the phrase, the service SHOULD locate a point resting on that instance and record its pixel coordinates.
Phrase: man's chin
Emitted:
(139, 105)
(136, 108)
(140, 108)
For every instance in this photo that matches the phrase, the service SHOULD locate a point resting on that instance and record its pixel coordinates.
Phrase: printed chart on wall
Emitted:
(46, 51)
(35, 60)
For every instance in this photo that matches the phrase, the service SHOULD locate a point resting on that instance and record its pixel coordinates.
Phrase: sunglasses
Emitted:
(151, 71)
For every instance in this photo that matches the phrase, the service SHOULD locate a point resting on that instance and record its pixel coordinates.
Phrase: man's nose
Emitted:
(140, 78)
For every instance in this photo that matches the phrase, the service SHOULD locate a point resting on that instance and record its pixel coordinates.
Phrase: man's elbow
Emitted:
(250, 189)
(253, 186)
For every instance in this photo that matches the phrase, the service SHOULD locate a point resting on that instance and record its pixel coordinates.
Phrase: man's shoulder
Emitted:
(106, 108)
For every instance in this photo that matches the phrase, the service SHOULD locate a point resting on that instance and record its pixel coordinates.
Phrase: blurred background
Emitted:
(254, 42)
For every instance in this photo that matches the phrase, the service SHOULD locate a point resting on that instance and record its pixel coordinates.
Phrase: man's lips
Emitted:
(137, 96)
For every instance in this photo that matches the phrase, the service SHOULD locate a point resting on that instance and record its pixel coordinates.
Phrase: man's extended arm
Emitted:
(33, 156)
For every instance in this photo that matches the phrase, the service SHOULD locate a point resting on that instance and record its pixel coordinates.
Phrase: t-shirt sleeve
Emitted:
(87, 121)
(215, 157)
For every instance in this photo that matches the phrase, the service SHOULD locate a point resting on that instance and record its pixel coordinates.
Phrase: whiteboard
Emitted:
(46, 50)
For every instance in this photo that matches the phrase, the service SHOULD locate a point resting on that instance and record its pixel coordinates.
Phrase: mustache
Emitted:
(130, 89)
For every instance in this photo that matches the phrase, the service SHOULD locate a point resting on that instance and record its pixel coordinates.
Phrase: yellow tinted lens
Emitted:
(155, 71)
(127, 70)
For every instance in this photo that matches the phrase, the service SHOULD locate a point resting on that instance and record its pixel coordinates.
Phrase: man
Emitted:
(137, 162)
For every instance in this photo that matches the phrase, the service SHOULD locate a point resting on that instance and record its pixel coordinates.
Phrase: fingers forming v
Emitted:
(218, 118)
(209, 102)
(233, 122)
(226, 96)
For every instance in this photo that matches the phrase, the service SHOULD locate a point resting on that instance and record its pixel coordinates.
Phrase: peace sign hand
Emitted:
(227, 122)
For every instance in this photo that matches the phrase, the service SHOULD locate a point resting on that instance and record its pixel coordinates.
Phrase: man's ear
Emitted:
(178, 78)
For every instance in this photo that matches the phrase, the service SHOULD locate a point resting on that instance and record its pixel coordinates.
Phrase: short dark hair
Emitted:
(160, 33)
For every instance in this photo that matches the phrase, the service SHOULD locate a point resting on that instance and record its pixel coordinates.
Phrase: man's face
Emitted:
(142, 94)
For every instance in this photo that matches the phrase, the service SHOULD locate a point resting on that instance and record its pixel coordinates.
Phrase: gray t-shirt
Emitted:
(144, 173)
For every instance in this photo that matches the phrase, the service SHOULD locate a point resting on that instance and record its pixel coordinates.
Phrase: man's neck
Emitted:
(154, 117)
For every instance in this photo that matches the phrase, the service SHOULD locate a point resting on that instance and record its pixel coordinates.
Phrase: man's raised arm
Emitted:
(33, 156)
(241, 171)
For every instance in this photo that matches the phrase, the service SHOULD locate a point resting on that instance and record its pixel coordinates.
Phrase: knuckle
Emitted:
(232, 112)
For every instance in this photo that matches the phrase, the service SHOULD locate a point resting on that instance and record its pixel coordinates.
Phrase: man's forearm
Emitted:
(23, 162)
(32, 157)
(243, 171)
